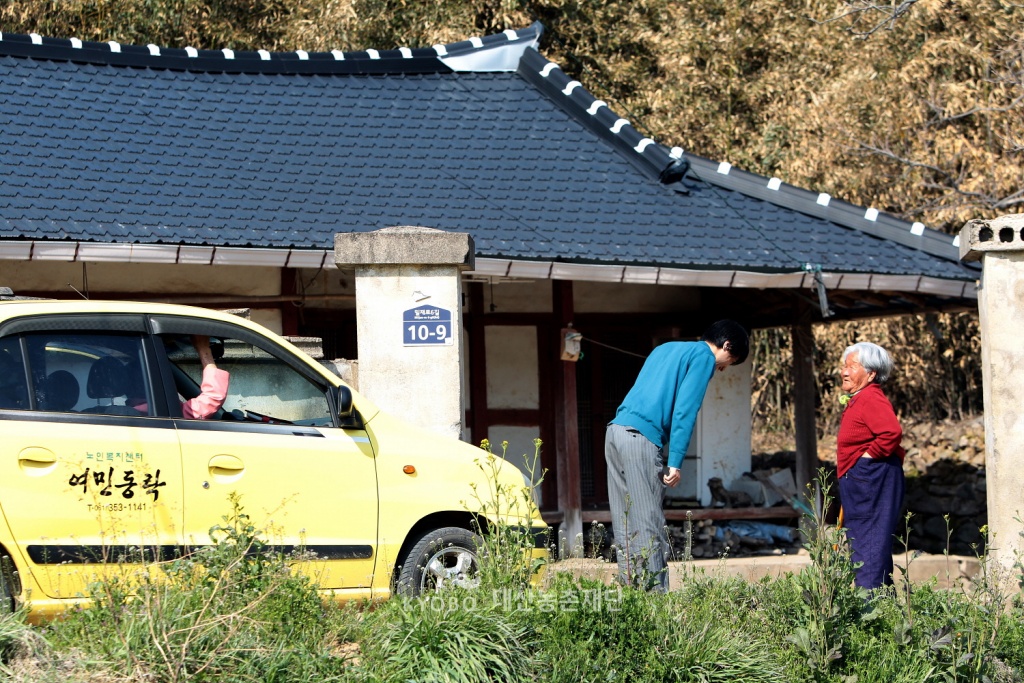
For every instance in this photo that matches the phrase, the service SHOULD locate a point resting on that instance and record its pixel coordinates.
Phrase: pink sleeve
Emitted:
(214, 391)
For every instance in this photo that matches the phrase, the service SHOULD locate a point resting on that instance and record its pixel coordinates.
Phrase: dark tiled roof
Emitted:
(150, 145)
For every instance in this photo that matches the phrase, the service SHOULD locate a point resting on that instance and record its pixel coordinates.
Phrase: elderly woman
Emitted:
(869, 463)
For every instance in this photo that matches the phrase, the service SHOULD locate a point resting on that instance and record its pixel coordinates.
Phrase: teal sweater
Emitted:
(663, 403)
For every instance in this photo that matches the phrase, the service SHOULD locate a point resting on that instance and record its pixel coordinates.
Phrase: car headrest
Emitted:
(60, 391)
(107, 378)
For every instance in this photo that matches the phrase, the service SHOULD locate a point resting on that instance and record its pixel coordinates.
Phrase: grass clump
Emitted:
(593, 632)
(457, 636)
(232, 611)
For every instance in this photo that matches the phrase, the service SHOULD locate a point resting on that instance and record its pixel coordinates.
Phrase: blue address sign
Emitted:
(426, 326)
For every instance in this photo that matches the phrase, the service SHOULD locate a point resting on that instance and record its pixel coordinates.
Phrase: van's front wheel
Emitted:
(440, 559)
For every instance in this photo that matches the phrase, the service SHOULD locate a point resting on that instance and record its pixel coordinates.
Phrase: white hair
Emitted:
(874, 359)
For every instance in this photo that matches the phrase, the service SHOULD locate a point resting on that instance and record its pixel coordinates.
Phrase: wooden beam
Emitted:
(219, 300)
(675, 515)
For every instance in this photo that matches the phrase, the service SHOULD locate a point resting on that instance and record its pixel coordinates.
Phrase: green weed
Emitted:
(831, 602)
(232, 611)
(455, 636)
(507, 540)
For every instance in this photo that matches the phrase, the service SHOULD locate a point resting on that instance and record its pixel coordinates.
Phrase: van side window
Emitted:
(261, 388)
(13, 387)
(88, 372)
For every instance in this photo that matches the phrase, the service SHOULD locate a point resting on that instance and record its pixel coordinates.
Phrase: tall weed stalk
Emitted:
(831, 601)
(507, 537)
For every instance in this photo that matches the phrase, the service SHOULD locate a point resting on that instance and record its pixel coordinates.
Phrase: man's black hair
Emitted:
(729, 331)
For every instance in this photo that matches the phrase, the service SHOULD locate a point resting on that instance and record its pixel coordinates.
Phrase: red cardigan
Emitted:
(868, 425)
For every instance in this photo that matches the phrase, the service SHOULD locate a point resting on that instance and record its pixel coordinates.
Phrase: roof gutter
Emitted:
(95, 252)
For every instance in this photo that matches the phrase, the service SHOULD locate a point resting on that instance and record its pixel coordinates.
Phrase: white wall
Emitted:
(512, 370)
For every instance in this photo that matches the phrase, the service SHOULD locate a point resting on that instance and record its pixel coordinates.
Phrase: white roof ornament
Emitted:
(642, 145)
(482, 58)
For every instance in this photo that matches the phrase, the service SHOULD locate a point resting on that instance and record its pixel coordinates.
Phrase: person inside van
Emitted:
(213, 389)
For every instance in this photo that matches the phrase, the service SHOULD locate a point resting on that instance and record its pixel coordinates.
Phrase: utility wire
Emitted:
(613, 348)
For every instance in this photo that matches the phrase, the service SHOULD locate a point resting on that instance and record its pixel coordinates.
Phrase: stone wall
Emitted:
(945, 470)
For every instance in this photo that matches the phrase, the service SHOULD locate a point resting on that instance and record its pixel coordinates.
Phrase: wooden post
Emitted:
(803, 400)
(289, 312)
(567, 429)
(478, 419)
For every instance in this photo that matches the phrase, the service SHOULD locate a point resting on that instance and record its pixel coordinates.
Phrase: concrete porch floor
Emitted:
(947, 569)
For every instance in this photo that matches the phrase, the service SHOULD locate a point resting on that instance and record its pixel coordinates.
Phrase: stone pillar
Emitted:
(409, 317)
(999, 245)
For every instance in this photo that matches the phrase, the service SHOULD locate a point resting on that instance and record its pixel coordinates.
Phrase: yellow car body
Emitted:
(94, 480)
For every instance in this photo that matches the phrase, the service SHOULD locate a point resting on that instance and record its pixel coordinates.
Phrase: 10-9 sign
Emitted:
(426, 326)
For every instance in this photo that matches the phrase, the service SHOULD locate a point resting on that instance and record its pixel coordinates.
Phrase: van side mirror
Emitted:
(343, 400)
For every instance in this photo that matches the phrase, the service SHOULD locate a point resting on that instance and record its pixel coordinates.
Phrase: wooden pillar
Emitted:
(804, 424)
(567, 428)
(289, 312)
(477, 417)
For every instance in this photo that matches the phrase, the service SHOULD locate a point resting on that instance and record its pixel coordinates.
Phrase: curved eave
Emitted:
(95, 252)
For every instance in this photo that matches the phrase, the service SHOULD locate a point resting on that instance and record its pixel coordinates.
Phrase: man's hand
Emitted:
(672, 478)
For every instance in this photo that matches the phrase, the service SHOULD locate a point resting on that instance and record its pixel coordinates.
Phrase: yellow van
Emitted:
(119, 449)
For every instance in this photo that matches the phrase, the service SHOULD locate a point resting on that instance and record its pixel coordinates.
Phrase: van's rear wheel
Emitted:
(440, 559)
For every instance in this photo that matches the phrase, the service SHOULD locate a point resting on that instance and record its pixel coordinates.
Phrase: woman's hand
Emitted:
(202, 344)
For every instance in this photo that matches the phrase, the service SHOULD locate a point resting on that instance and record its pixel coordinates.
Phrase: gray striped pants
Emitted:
(635, 493)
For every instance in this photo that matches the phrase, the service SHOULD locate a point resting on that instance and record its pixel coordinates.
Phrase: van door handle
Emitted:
(37, 456)
(226, 464)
